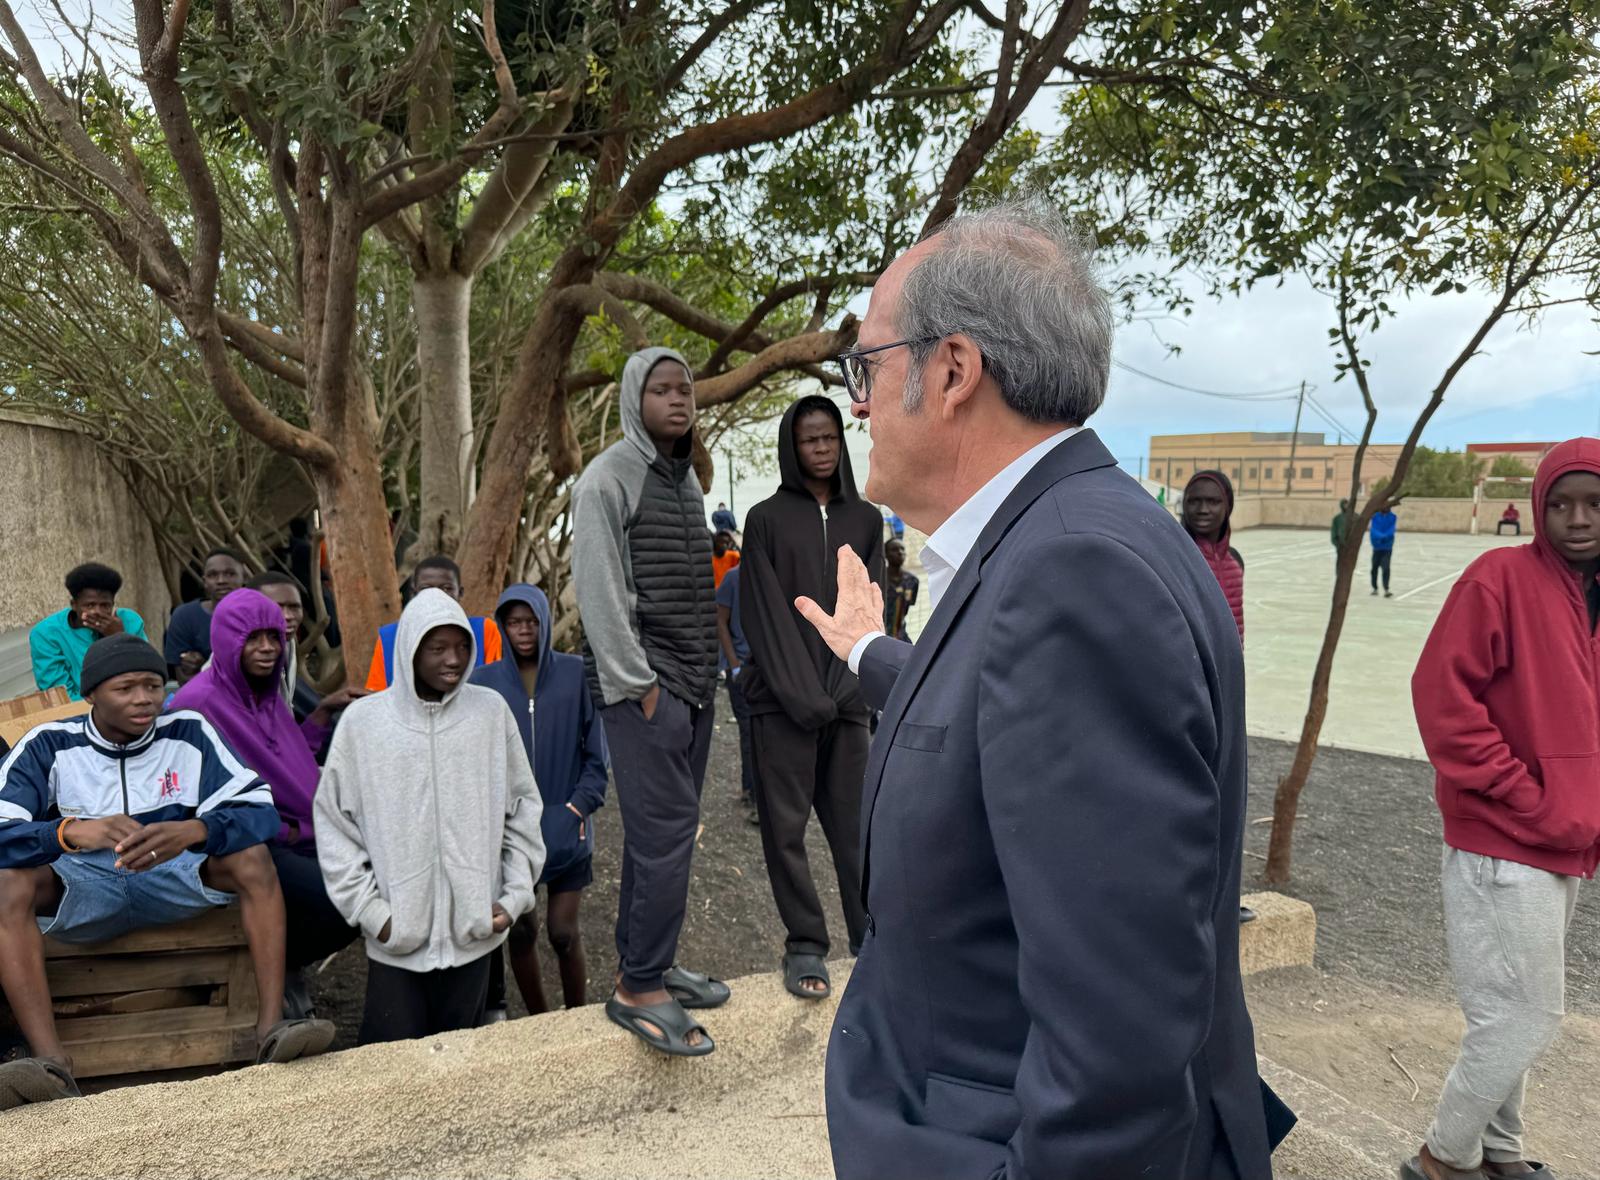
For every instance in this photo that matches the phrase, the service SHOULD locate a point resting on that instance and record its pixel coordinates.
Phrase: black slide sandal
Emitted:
(675, 1025)
(693, 990)
(33, 1080)
(290, 1040)
(799, 968)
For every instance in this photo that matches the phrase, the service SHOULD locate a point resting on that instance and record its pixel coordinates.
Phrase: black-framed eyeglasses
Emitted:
(858, 372)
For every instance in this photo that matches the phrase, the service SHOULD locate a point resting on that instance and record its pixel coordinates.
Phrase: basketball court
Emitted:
(1288, 585)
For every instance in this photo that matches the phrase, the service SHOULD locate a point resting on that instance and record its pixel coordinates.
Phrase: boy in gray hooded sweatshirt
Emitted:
(641, 567)
(427, 820)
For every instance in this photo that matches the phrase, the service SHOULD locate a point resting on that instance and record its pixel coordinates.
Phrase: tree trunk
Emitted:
(355, 519)
(443, 304)
(1286, 803)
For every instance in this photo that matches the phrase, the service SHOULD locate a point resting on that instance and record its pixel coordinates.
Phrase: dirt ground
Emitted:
(1366, 856)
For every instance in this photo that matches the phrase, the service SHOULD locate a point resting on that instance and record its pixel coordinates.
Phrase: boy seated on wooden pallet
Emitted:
(119, 820)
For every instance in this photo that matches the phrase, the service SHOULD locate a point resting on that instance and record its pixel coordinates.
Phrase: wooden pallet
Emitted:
(168, 997)
(20, 714)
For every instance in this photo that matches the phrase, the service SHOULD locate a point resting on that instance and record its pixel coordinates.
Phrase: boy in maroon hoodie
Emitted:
(1507, 695)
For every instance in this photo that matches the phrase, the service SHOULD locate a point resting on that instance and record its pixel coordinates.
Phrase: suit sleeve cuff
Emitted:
(860, 649)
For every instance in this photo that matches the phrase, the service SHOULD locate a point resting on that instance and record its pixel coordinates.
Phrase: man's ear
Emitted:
(953, 373)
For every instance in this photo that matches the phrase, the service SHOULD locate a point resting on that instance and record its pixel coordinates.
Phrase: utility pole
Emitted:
(733, 476)
(1294, 440)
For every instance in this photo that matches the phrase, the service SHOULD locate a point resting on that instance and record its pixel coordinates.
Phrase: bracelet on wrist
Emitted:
(61, 835)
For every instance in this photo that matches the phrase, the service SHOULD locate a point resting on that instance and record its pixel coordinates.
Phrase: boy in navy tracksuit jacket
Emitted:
(566, 744)
(122, 819)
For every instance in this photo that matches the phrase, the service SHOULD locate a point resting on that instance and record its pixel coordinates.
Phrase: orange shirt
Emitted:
(383, 650)
(721, 565)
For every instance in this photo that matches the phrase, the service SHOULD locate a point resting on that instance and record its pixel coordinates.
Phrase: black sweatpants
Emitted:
(314, 928)
(747, 753)
(798, 770)
(403, 1005)
(1380, 561)
(659, 766)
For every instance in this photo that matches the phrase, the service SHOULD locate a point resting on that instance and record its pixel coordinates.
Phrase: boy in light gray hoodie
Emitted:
(427, 820)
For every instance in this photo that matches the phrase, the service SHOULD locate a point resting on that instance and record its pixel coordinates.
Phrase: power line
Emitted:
(1287, 393)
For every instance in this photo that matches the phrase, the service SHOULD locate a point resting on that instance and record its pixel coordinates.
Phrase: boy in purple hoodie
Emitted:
(239, 693)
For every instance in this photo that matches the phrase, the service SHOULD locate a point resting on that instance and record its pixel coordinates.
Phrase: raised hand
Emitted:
(857, 610)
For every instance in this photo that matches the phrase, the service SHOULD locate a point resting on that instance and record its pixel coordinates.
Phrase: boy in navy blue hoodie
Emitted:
(566, 744)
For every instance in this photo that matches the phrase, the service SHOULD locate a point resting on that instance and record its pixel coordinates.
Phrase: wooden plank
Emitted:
(121, 1003)
(158, 1024)
(91, 976)
(244, 1002)
(219, 928)
(13, 729)
(141, 1054)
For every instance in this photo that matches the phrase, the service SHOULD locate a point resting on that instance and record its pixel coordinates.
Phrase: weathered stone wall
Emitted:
(61, 504)
(1416, 515)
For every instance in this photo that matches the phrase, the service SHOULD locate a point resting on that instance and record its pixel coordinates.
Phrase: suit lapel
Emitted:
(1082, 452)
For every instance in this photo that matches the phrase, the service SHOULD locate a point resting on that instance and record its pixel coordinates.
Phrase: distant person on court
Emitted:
(118, 820)
(641, 567)
(723, 519)
(432, 573)
(1341, 526)
(734, 650)
(240, 692)
(1055, 799)
(807, 714)
(428, 829)
(900, 590)
(1207, 513)
(1381, 536)
(1507, 704)
(724, 556)
(187, 644)
(1510, 517)
(59, 642)
(565, 743)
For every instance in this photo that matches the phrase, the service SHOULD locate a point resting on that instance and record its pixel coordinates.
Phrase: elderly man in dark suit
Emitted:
(1054, 804)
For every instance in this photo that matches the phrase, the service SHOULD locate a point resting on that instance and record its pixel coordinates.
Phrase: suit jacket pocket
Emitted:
(927, 738)
(977, 1110)
(1568, 815)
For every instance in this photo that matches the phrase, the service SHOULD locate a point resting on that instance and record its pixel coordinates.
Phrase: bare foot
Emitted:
(645, 1000)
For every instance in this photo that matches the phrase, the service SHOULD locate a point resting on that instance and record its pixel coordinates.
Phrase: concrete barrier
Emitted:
(1284, 933)
(562, 1095)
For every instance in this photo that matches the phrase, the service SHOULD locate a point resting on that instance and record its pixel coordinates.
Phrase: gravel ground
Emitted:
(1366, 856)
(732, 927)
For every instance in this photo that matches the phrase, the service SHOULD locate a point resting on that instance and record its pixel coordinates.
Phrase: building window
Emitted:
(1235, 473)
(1305, 473)
(1266, 473)
(1178, 474)
(1253, 474)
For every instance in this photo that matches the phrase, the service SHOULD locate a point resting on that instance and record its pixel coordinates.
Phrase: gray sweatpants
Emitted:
(1506, 927)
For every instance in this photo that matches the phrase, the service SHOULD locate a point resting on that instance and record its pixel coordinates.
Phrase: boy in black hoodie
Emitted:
(809, 720)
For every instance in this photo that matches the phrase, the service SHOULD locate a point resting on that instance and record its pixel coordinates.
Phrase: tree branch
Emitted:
(792, 353)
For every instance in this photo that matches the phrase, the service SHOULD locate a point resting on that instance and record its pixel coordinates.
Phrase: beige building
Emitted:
(1527, 452)
(1269, 463)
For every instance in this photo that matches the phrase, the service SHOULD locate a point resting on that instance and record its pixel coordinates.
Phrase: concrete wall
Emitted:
(61, 504)
(1416, 515)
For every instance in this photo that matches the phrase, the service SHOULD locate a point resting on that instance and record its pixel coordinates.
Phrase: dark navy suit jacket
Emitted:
(1053, 823)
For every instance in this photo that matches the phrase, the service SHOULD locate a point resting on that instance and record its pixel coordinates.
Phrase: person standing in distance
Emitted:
(1054, 803)
(641, 567)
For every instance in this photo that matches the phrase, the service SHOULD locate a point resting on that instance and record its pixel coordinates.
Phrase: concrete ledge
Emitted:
(1335, 1139)
(1284, 933)
(567, 1094)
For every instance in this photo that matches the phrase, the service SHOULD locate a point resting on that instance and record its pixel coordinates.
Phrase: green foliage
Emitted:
(1439, 474)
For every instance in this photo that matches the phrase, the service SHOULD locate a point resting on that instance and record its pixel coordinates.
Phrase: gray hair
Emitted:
(1018, 280)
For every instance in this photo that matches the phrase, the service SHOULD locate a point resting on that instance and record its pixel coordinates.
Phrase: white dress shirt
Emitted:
(950, 543)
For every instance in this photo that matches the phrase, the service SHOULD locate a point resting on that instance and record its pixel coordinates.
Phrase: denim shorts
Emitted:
(102, 902)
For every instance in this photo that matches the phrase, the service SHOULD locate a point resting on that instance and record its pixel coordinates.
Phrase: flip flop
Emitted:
(289, 1040)
(674, 1024)
(33, 1080)
(693, 990)
(798, 968)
